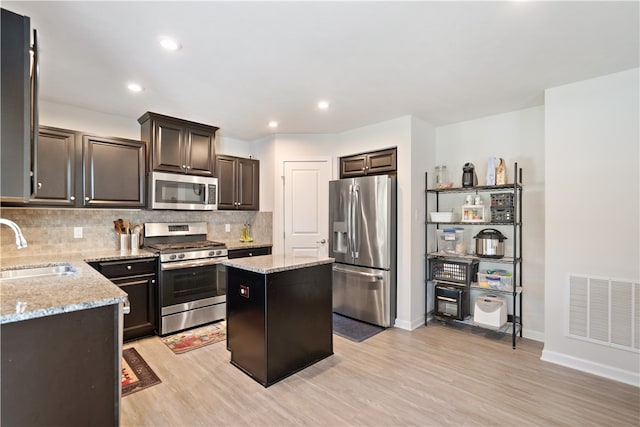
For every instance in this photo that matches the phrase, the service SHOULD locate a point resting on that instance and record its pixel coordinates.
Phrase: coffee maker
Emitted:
(469, 177)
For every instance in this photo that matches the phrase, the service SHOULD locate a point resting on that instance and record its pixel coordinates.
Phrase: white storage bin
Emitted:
(490, 311)
(443, 217)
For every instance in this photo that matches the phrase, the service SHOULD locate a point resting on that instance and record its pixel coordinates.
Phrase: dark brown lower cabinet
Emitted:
(137, 277)
(62, 370)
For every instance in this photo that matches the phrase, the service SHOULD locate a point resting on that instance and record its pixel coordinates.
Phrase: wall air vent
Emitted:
(605, 311)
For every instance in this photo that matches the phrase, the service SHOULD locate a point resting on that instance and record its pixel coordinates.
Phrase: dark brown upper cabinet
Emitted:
(238, 183)
(113, 172)
(75, 170)
(372, 163)
(177, 145)
(53, 181)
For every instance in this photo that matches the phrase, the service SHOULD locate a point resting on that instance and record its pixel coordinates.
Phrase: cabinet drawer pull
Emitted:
(128, 267)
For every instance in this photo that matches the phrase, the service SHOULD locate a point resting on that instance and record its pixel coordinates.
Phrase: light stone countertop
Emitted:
(267, 264)
(32, 297)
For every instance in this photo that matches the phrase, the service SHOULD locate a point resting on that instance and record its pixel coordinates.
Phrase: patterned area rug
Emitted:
(352, 329)
(195, 338)
(136, 374)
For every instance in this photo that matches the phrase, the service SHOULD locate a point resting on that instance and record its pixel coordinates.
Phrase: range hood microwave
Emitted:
(183, 192)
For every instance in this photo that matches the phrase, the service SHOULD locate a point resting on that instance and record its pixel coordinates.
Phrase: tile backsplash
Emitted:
(51, 230)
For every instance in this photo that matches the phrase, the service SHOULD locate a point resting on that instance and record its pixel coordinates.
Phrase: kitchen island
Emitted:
(278, 314)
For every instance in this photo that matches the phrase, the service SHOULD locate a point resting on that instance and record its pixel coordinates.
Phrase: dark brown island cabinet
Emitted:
(62, 370)
(177, 145)
(278, 323)
(239, 183)
(77, 170)
(137, 277)
(371, 163)
(248, 252)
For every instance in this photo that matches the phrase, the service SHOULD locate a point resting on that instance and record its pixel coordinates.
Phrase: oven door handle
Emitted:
(191, 263)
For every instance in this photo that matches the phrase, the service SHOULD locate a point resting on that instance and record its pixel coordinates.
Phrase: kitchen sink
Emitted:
(38, 271)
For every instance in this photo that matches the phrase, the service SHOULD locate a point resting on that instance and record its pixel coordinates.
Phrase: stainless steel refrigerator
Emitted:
(362, 239)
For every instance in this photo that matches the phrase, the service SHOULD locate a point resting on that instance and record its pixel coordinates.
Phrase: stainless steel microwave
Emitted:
(183, 192)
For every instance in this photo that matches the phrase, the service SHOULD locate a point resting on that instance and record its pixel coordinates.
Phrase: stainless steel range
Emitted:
(192, 289)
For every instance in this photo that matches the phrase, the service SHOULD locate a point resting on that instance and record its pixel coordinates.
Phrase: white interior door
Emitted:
(306, 207)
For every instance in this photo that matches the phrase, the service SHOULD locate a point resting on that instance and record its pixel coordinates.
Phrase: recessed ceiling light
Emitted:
(169, 44)
(134, 87)
(323, 105)
(273, 124)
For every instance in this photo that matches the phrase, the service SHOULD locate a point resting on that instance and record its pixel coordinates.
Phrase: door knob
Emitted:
(322, 242)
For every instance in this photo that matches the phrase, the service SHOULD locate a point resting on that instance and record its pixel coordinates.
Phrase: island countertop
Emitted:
(267, 264)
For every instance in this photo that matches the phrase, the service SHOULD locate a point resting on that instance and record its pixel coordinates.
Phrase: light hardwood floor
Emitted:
(434, 376)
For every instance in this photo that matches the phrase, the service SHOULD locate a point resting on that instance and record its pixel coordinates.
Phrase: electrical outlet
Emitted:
(227, 228)
(77, 232)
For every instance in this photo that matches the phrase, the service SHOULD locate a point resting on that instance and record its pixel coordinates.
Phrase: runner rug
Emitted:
(195, 338)
(136, 373)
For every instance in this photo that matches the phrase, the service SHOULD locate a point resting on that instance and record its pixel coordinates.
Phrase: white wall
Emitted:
(592, 207)
(89, 121)
(423, 158)
(517, 136)
(413, 138)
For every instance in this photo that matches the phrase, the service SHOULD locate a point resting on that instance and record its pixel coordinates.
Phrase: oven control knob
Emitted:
(181, 256)
(213, 253)
(218, 252)
(172, 257)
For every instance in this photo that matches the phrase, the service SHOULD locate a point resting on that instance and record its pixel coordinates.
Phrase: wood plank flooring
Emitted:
(434, 376)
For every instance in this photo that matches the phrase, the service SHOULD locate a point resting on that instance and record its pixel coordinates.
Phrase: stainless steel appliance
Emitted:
(362, 239)
(490, 243)
(183, 192)
(192, 289)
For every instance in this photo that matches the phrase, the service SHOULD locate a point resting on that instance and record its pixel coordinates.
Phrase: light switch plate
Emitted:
(77, 232)
(227, 228)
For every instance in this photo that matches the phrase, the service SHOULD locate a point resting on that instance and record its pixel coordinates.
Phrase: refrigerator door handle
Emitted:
(356, 223)
(350, 214)
(360, 273)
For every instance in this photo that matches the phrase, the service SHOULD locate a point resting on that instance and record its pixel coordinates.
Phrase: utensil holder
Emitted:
(125, 242)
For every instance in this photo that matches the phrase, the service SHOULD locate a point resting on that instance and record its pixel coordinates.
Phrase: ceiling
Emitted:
(243, 64)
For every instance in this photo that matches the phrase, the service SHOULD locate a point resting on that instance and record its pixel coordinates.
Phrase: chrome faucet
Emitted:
(21, 242)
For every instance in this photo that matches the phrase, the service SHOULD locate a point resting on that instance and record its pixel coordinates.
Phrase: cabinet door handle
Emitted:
(184, 166)
(72, 198)
(87, 199)
(188, 167)
(39, 186)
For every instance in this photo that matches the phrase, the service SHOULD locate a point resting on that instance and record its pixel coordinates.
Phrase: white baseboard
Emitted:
(627, 377)
(409, 326)
(533, 335)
